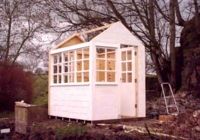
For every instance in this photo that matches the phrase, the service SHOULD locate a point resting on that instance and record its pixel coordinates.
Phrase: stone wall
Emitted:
(190, 44)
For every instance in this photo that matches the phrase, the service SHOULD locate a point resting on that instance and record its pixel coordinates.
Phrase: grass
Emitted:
(73, 130)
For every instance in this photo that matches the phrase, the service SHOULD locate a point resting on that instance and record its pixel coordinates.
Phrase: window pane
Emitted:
(59, 79)
(54, 79)
(59, 69)
(129, 66)
(71, 66)
(66, 56)
(79, 65)
(129, 77)
(111, 53)
(86, 53)
(71, 77)
(100, 64)
(66, 79)
(111, 77)
(86, 64)
(60, 58)
(79, 54)
(100, 76)
(124, 66)
(123, 77)
(55, 59)
(100, 53)
(110, 65)
(79, 77)
(129, 55)
(123, 56)
(66, 68)
(55, 69)
(86, 76)
(71, 55)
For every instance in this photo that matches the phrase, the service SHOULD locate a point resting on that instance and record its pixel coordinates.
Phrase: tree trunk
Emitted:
(172, 43)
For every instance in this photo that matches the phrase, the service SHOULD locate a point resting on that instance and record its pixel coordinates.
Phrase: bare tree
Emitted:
(153, 22)
(20, 23)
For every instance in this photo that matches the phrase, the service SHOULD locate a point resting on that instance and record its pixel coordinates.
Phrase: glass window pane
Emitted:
(86, 64)
(124, 66)
(79, 54)
(66, 79)
(66, 56)
(86, 53)
(59, 79)
(55, 79)
(129, 77)
(129, 64)
(100, 76)
(66, 68)
(129, 55)
(71, 66)
(60, 58)
(55, 59)
(110, 76)
(55, 69)
(123, 56)
(100, 53)
(100, 64)
(123, 77)
(71, 77)
(110, 65)
(79, 65)
(111, 53)
(71, 55)
(86, 76)
(79, 77)
(59, 69)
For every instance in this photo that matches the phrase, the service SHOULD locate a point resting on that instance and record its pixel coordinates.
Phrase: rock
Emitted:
(116, 128)
(196, 128)
(196, 113)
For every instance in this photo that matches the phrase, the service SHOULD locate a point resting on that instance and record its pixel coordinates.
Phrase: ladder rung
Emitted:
(171, 105)
(168, 97)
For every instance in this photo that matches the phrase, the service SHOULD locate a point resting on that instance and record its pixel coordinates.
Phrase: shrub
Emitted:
(40, 89)
(15, 85)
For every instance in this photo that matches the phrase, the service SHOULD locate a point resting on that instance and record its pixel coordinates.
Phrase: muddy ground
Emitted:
(184, 126)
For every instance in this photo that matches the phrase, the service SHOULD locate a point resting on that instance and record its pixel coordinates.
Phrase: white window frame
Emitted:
(105, 46)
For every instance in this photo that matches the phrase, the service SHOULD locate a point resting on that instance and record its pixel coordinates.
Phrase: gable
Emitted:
(72, 41)
(117, 33)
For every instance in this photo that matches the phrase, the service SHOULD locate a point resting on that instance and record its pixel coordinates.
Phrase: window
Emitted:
(105, 64)
(72, 68)
(126, 66)
(82, 65)
(57, 68)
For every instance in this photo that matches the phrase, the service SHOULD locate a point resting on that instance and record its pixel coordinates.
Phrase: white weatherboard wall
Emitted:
(105, 102)
(70, 102)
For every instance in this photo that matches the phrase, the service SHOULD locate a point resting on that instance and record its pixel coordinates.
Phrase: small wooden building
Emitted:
(102, 79)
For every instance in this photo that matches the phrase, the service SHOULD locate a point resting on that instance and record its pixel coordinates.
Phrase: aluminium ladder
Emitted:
(170, 101)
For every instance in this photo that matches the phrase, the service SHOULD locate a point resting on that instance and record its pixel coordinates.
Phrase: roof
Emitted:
(115, 33)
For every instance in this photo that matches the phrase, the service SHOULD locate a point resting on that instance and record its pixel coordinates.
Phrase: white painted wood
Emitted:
(117, 33)
(106, 102)
(70, 102)
(101, 100)
(127, 89)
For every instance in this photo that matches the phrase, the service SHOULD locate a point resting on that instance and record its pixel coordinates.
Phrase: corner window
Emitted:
(57, 68)
(72, 68)
(105, 64)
